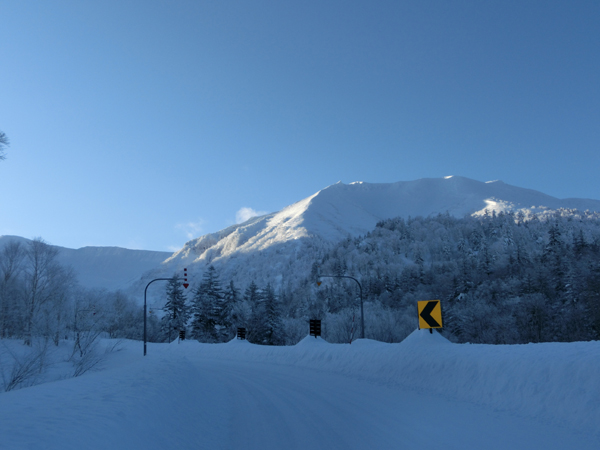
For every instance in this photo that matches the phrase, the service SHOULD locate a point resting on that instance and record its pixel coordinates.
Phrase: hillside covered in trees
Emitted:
(502, 279)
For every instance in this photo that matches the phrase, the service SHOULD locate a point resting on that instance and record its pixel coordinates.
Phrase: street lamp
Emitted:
(185, 284)
(362, 311)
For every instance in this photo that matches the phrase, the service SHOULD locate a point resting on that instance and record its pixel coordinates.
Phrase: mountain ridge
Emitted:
(342, 211)
(275, 244)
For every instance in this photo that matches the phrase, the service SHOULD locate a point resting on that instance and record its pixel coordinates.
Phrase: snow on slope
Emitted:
(271, 247)
(340, 211)
(103, 267)
(356, 208)
(318, 395)
(110, 267)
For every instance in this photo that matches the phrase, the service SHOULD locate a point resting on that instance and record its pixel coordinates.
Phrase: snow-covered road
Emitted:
(284, 407)
(196, 396)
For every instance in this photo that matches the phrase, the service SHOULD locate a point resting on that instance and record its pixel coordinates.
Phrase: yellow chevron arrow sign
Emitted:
(430, 314)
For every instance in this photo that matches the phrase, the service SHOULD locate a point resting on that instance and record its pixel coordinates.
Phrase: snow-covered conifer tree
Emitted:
(207, 308)
(176, 310)
(253, 296)
(235, 314)
(274, 333)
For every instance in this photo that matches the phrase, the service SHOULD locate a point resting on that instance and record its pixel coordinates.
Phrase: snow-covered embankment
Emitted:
(556, 382)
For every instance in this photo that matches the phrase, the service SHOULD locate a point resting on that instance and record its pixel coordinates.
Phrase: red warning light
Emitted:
(185, 280)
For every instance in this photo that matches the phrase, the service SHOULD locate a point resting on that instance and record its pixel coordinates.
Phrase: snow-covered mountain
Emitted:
(282, 246)
(274, 246)
(103, 267)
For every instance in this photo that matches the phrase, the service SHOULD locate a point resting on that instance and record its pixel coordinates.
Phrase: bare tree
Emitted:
(3, 144)
(42, 281)
(23, 370)
(87, 328)
(11, 266)
(53, 315)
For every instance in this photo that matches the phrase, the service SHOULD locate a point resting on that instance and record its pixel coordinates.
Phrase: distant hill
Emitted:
(111, 268)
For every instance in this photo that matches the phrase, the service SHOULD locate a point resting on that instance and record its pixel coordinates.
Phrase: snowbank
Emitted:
(556, 382)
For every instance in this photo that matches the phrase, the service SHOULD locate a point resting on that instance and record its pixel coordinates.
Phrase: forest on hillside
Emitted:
(501, 278)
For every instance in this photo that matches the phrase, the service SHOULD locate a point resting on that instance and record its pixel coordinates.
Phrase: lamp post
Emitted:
(362, 311)
(146, 291)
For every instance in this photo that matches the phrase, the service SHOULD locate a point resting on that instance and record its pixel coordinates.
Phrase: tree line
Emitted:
(39, 297)
(42, 304)
(502, 278)
(215, 312)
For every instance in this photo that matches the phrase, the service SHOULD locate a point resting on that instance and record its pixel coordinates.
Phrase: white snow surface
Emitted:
(424, 391)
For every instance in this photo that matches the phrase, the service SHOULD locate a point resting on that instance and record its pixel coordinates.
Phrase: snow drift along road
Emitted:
(423, 391)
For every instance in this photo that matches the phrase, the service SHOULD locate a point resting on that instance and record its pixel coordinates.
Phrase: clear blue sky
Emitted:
(143, 123)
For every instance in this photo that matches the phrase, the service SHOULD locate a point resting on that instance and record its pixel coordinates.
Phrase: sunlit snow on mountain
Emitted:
(269, 246)
(279, 246)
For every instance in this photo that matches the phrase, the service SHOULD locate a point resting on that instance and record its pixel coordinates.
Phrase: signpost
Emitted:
(430, 314)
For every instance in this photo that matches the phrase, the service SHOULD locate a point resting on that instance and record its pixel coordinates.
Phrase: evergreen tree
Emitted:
(579, 244)
(207, 308)
(273, 333)
(256, 326)
(176, 311)
(235, 316)
(553, 256)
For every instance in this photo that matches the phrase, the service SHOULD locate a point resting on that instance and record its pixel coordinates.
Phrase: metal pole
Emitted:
(145, 292)
(362, 311)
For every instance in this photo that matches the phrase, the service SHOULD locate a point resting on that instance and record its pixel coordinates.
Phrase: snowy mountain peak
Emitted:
(263, 244)
(268, 247)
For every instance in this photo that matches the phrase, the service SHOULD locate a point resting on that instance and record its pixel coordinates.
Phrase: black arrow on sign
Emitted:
(426, 314)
